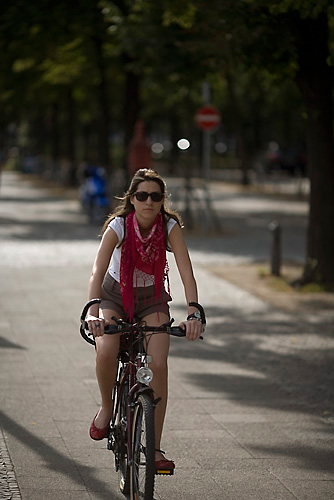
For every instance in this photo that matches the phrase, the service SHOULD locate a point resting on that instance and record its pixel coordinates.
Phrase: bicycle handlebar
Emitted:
(122, 326)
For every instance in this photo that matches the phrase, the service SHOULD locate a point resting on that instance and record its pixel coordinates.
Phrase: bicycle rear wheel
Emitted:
(142, 469)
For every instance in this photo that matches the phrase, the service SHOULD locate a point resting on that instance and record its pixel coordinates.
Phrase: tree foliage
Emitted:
(77, 72)
(289, 39)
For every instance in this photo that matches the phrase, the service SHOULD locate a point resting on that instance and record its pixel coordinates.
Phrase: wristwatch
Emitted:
(195, 315)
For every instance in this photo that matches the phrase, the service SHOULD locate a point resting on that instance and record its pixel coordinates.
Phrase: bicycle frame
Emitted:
(126, 372)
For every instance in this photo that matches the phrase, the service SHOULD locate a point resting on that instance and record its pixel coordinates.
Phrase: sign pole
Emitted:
(206, 137)
(207, 118)
(206, 156)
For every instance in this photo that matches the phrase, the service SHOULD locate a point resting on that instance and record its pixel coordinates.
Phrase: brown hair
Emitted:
(125, 207)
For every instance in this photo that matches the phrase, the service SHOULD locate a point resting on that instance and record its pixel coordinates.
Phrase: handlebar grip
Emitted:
(109, 329)
(87, 306)
(176, 331)
(83, 325)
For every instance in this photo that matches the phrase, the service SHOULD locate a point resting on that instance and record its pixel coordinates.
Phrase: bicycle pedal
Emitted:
(164, 472)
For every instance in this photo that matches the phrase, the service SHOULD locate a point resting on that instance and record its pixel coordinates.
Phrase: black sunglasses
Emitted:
(143, 195)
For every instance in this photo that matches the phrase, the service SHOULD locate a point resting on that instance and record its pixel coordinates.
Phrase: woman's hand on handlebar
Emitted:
(193, 327)
(96, 325)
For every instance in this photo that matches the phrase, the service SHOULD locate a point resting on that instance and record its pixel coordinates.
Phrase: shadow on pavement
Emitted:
(7, 344)
(49, 230)
(53, 459)
(307, 457)
(288, 359)
(32, 200)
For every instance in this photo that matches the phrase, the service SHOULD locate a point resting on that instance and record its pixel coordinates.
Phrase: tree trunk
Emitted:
(70, 142)
(238, 129)
(315, 79)
(55, 136)
(104, 125)
(131, 109)
(175, 134)
(104, 115)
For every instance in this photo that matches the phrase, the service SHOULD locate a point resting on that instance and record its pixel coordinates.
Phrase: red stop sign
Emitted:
(207, 118)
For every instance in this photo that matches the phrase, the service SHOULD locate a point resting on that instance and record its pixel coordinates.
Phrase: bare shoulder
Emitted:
(175, 233)
(110, 235)
(176, 239)
(107, 246)
(109, 241)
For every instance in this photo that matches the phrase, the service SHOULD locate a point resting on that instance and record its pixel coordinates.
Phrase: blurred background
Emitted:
(105, 87)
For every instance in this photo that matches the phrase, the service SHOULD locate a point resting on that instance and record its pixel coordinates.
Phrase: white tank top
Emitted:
(117, 225)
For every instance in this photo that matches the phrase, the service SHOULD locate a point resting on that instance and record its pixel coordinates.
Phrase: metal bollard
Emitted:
(275, 228)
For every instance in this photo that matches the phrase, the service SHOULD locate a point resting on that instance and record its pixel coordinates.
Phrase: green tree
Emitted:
(307, 26)
(56, 60)
(290, 39)
(159, 69)
(70, 68)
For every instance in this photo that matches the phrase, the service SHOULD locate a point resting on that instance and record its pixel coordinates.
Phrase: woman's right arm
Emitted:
(100, 267)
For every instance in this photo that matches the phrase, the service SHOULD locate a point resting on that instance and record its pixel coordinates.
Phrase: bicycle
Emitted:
(131, 435)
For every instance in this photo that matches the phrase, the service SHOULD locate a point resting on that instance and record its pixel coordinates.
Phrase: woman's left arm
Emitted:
(183, 262)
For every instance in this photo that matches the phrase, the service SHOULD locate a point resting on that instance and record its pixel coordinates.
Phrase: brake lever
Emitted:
(169, 323)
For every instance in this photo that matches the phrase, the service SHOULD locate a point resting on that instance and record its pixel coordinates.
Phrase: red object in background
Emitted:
(139, 153)
(207, 118)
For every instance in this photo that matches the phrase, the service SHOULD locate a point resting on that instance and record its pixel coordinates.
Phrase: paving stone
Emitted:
(251, 407)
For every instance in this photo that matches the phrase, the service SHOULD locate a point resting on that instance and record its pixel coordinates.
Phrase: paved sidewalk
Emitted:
(251, 411)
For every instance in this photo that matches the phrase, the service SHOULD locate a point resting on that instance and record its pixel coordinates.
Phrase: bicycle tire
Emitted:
(142, 468)
(123, 463)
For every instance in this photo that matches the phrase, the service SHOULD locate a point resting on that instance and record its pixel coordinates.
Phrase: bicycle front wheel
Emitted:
(142, 469)
(124, 469)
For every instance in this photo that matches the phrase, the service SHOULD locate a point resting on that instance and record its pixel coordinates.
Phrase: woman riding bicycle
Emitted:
(129, 274)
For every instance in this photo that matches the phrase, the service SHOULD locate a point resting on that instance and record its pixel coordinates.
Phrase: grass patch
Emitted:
(285, 282)
(263, 272)
(313, 288)
(288, 280)
(280, 284)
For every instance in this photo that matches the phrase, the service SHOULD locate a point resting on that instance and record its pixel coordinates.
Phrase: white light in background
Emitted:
(183, 144)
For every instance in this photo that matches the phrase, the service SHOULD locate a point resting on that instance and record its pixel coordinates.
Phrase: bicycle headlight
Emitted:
(144, 375)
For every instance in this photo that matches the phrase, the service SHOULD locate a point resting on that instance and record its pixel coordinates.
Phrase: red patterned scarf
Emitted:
(142, 257)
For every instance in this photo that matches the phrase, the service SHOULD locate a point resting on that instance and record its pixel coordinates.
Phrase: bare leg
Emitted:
(158, 348)
(107, 348)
